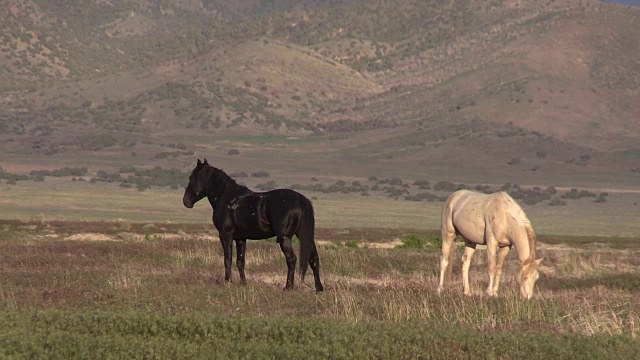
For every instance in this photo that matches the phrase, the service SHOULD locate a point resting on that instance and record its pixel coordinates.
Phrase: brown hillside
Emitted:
(533, 90)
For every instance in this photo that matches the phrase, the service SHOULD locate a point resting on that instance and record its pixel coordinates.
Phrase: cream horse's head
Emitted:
(527, 277)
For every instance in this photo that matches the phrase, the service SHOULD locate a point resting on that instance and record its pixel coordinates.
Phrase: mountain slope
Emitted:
(540, 88)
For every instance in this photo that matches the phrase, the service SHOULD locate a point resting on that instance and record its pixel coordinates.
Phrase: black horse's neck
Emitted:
(221, 187)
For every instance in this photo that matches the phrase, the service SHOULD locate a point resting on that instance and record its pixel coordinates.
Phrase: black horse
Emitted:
(240, 214)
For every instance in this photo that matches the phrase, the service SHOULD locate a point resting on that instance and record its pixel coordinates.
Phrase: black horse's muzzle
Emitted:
(186, 200)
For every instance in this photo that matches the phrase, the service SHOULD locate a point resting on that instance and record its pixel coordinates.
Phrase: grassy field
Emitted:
(97, 271)
(116, 289)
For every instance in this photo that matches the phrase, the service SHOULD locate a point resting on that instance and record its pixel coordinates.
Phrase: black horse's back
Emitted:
(240, 214)
(283, 210)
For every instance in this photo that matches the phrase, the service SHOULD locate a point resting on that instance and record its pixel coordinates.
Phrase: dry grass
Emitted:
(125, 279)
(588, 290)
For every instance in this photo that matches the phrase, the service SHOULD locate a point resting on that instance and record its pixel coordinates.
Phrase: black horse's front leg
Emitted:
(226, 239)
(287, 249)
(241, 249)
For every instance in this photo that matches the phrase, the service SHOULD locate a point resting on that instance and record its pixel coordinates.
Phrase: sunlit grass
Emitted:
(582, 295)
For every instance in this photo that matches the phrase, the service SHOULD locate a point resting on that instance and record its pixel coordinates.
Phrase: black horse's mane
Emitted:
(219, 173)
(221, 177)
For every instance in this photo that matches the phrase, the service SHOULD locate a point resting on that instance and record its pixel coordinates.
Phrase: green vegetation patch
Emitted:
(57, 334)
(414, 241)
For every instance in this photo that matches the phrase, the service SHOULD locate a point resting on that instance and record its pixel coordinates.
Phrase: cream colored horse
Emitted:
(497, 221)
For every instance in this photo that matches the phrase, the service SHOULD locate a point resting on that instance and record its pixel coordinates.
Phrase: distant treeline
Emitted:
(394, 187)
(38, 175)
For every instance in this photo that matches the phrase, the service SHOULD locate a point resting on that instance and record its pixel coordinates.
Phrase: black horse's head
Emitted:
(196, 189)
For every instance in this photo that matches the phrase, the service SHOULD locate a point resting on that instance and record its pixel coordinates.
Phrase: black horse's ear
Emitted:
(205, 162)
(199, 163)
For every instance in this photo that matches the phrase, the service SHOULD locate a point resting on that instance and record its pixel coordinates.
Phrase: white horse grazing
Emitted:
(497, 221)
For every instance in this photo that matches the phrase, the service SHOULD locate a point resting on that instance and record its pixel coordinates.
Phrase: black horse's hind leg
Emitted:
(314, 262)
(241, 249)
(287, 249)
(227, 247)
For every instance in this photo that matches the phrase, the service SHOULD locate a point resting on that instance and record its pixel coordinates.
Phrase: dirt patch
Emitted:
(166, 236)
(384, 245)
(170, 236)
(383, 282)
(269, 278)
(365, 244)
(208, 237)
(329, 280)
(361, 234)
(556, 247)
(586, 248)
(90, 237)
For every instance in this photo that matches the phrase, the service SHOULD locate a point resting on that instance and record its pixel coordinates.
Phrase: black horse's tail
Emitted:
(306, 235)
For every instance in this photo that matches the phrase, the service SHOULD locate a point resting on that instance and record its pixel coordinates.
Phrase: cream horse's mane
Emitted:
(529, 265)
(531, 235)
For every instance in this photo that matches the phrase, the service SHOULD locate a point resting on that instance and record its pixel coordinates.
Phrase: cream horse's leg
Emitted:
(491, 256)
(469, 250)
(502, 255)
(448, 242)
